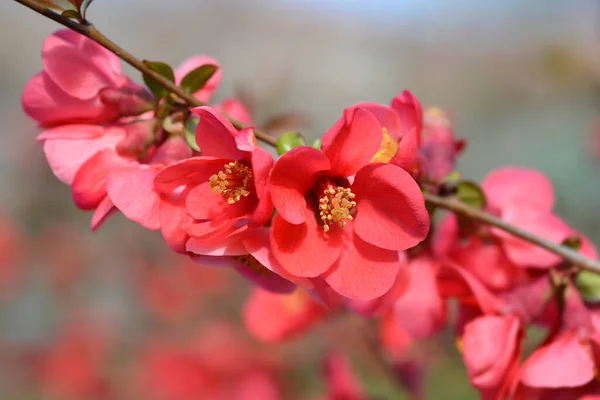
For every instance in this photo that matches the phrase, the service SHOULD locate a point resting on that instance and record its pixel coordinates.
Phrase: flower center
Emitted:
(252, 263)
(335, 204)
(388, 149)
(233, 183)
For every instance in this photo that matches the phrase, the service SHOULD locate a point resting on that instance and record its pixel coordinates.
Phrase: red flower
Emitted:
(275, 317)
(349, 233)
(224, 191)
(81, 82)
(421, 143)
(525, 198)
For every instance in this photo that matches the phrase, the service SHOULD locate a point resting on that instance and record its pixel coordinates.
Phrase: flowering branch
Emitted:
(87, 29)
(459, 207)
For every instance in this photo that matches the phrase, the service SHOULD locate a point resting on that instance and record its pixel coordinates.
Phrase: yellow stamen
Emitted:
(235, 182)
(388, 149)
(335, 205)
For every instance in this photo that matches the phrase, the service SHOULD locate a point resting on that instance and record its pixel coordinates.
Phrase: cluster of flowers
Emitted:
(346, 222)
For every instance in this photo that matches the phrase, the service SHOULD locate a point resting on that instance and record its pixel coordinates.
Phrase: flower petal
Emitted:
(67, 148)
(362, 271)
(513, 186)
(387, 117)
(202, 203)
(187, 173)
(421, 311)
(540, 223)
(410, 113)
(408, 152)
(89, 184)
(489, 345)
(563, 363)
(216, 136)
(104, 210)
(304, 250)
(292, 176)
(172, 216)
(274, 317)
(352, 142)
(131, 189)
(391, 210)
(78, 72)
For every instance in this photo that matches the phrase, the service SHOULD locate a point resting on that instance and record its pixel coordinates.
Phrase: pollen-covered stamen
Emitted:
(252, 263)
(387, 150)
(335, 205)
(233, 183)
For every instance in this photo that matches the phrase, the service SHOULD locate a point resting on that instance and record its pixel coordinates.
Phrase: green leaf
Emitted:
(316, 144)
(471, 194)
(588, 284)
(197, 78)
(162, 69)
(288, 141)
(190, 133)
(71, 14)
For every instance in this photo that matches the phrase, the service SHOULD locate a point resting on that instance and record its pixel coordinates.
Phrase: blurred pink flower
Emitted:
(81, 83)
(275, 317)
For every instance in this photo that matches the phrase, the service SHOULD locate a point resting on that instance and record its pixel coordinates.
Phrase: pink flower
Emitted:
(491, 347)
(421, 311)
(275, 317)
(483, 258)
(348, 233)
(216, 365)
(525, 198)
(81, 83)
(567, 363)
(421, 143)
(224, 191)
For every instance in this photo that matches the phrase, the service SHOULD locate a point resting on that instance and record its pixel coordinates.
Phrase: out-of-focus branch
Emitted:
(91, 32)
(565, 252)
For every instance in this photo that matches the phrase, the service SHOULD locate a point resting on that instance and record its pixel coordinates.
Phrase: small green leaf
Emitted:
(197, 78)
(471, 194)
(588, 284)
(71, 14)
(316, 144)
(162, 69)
(288, 141)
(190, 133)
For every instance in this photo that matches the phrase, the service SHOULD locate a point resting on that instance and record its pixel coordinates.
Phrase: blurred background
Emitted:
(81, 312)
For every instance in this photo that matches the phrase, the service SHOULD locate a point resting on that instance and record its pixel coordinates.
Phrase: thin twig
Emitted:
(88, 30)
(478, 215)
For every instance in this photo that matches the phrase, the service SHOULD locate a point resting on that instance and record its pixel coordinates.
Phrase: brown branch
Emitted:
(88, 30)
(478, 215)
(454, 205)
